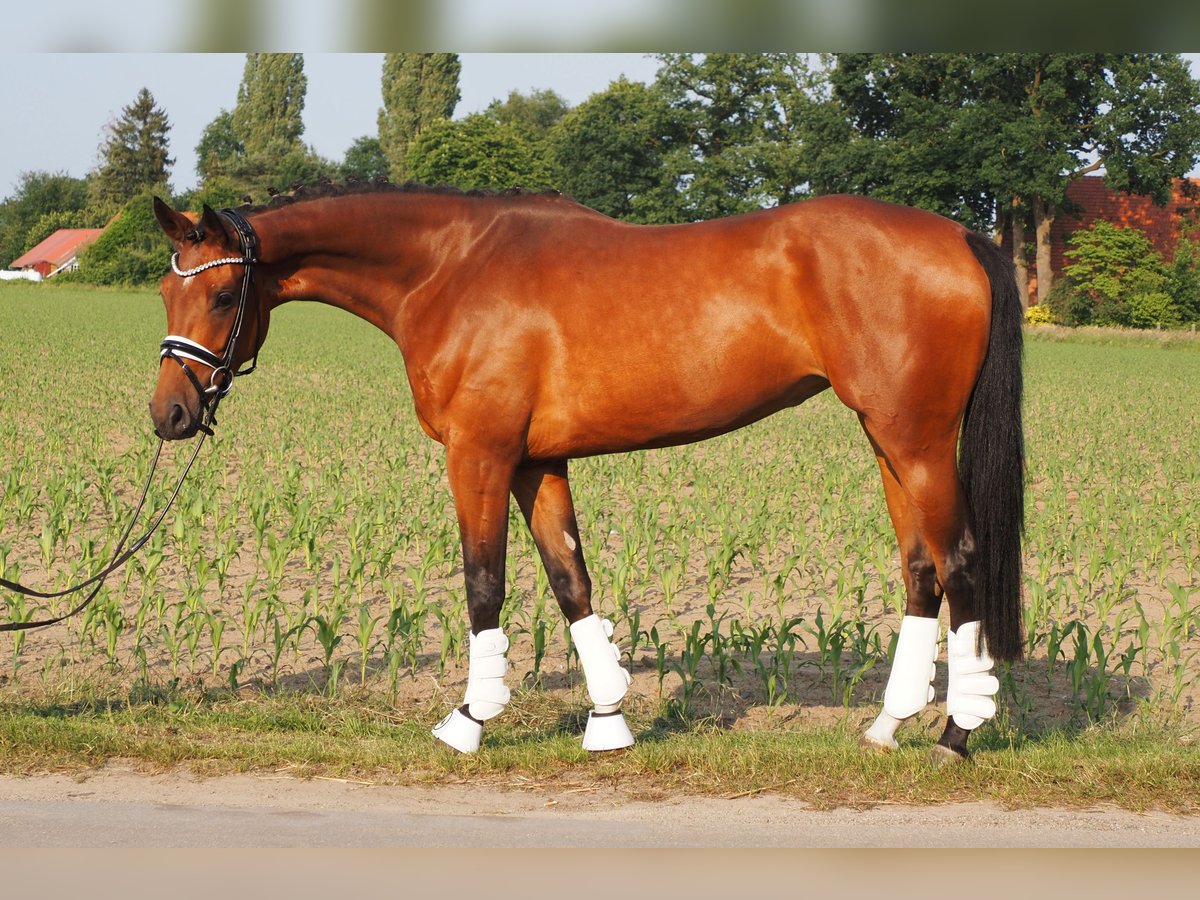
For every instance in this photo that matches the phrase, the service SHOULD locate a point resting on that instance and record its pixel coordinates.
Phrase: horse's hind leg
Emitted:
(544, 495)
(924, 466)
(909, 688)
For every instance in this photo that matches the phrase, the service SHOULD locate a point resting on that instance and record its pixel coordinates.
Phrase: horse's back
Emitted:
(621, 336)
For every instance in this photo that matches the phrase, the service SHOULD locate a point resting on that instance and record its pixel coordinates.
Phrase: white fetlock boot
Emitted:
(486, 696)
(910, 685)
(971, 693)
(607, 684)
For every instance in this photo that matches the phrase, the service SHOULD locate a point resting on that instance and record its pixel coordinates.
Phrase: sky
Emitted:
(58, 104)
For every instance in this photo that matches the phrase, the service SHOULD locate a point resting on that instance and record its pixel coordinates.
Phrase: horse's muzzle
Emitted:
(174, 422)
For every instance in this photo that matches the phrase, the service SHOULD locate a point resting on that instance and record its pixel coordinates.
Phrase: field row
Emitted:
(315, 547)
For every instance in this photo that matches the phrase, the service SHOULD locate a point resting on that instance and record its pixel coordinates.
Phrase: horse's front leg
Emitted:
(544, 495)
(480, 481)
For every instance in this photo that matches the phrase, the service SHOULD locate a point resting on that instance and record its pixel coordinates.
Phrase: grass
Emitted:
(303, 606)
(1136, 768)
(1106, 336)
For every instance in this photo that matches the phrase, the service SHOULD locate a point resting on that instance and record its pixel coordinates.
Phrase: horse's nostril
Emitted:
(177, 419)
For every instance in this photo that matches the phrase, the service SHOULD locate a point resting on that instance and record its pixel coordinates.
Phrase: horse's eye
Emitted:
(224, 299)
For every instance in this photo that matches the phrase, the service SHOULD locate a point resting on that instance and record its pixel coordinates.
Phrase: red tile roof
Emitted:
(58, 248)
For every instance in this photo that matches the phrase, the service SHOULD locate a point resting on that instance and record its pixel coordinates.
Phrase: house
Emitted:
(57, 253)
(1094, 201)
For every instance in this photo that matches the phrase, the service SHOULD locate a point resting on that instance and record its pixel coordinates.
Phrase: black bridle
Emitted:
(178, 348)
(220, 382)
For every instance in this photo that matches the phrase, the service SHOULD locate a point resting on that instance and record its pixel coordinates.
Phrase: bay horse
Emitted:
(535, 331)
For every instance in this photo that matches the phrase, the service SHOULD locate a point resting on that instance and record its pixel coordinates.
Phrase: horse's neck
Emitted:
(339, 254)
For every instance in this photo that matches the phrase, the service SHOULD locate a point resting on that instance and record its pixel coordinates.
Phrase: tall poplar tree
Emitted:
(134, 155)
(267, 118)
(256, 148)
(418, 90)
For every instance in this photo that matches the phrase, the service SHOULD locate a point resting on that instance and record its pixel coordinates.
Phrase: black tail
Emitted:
(992, 460)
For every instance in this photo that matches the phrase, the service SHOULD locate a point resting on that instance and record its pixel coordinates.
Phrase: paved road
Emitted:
(122, 809)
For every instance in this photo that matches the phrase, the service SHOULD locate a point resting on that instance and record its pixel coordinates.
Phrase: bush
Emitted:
(132, 249)
(477, 152)
(1153, 309)
(1117, 278)
(1039, 315)
(1067, 304)
(1183, 280)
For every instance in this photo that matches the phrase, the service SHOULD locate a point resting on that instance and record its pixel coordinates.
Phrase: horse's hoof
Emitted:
(459, 731)
(867, 742)
(605, 732)
(881, 736)
(942, 755)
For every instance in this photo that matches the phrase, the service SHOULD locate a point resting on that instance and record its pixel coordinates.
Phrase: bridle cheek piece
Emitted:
(179, 348)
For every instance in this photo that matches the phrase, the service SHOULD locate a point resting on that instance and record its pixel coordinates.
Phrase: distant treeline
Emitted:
(991, 140)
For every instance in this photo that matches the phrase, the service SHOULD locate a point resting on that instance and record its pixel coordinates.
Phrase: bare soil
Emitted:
(118, 807)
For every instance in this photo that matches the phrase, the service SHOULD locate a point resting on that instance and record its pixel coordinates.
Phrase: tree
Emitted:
(267, 119)
(256, 148)
(134, 155)
(419, 89)
(1115, 277)
(255, 175)
(477, 152)
(893, 127)
(39, 194)
(219, 146)
(1183, 279)
(610, 153)
(532, 114)
(365, 160)
(742, 150)
(966, 134)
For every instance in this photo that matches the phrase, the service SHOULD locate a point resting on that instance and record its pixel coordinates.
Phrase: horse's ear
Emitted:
(213, 224)
(174, 224)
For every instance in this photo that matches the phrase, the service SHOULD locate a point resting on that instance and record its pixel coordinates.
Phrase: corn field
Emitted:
(314, 548)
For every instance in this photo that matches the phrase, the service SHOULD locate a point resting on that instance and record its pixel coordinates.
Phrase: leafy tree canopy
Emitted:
(992, 137)
(532, 114)
(610, 153)
(365, 160)
(477, 152)
(739, 112)
(40, 194)
(219, 146)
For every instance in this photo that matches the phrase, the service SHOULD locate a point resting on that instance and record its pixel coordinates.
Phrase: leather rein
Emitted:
(220, 382)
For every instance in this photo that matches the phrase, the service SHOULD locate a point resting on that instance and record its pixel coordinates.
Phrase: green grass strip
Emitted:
(309, 736)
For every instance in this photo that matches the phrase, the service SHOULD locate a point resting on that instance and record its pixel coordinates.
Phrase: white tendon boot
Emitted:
(607, 684)
(910, 685)
(970, 696)
(486, 694)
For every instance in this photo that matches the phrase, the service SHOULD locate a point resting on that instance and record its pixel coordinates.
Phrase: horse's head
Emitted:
(216, 318)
